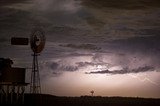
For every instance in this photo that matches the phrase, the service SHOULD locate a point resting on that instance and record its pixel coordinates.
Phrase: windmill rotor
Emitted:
(37, 40)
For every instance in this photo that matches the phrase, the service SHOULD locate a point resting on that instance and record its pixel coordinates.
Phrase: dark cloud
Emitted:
(67, 68)
(79, 54)
(151, 31)
(57, 5)
(95, 23)
(60, 29)
(83, 64)
(56, 74)
(3, 40)
(7, 2)
(82, 46)
(14, 22)
(60, 67)
(124, 71)
(138, 44)
(122, 4)
(56, 67)
(53, 65)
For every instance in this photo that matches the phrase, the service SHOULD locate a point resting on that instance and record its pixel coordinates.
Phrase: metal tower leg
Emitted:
(35, 78)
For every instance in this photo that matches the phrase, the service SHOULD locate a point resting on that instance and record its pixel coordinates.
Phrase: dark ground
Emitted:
(49, 100)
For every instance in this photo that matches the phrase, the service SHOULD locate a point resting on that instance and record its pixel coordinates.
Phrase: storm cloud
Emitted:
(124, 71)
(82, 46)
(122, 4)
(60, 67)
(117, 38)
(57, 5)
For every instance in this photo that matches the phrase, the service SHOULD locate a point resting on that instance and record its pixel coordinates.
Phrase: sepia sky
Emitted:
(109, 46)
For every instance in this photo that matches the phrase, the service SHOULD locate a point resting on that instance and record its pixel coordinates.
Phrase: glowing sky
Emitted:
(109, 46)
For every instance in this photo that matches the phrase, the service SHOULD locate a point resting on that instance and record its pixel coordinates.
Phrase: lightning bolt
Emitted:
(145, 79)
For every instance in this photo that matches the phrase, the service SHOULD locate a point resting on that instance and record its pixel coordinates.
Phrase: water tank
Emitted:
(14, 75)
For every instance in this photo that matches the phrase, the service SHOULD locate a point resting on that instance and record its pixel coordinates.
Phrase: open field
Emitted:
(49, 100)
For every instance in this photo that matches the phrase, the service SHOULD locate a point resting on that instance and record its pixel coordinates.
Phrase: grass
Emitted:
(49, 100)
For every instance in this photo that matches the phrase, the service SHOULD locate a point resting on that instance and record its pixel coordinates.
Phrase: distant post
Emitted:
(92, 92)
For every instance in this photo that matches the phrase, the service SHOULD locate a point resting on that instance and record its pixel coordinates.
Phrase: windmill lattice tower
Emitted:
(37, 42)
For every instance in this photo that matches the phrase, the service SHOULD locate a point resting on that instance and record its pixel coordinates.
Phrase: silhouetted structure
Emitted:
(92, 92)
(12, 83)
(37, 42)
(19, 41)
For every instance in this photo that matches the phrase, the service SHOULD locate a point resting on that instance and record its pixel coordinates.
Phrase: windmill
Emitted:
(37, 43)
(92, 92)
